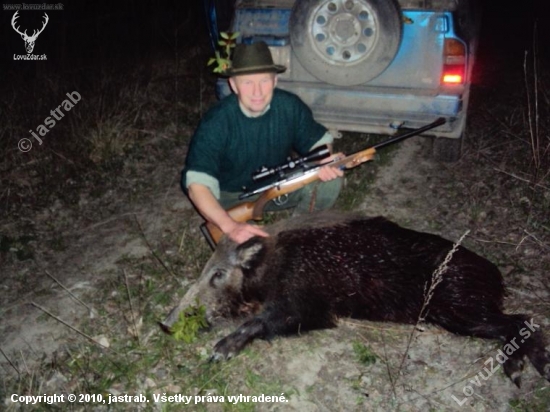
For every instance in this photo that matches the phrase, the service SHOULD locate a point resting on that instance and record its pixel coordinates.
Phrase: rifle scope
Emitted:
(316, 154)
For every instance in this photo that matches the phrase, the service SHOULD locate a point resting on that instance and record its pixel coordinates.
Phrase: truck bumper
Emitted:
(369, 110)
(372, 110)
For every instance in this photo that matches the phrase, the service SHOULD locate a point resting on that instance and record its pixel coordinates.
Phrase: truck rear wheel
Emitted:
(345, 42)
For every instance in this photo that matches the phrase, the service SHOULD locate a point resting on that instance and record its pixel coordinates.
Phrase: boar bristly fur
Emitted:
(329, 266)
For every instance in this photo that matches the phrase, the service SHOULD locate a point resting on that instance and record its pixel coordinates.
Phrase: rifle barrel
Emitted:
(341, 162)
(412, 133)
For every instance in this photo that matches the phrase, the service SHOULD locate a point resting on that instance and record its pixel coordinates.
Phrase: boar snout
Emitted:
(190, 299)
(219, 287)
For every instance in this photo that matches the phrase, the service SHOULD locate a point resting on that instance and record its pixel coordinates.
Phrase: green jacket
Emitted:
(229, 146)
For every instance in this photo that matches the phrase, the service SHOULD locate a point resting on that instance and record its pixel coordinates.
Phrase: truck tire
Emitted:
(345, 42)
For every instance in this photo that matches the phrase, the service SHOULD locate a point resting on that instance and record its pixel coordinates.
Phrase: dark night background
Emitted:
(87, 36)
(99, 48)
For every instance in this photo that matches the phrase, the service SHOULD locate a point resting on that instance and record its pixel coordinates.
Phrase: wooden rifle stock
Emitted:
(253, 210)
(246, 211)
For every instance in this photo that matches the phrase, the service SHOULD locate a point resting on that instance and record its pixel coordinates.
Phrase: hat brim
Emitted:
(275, 68)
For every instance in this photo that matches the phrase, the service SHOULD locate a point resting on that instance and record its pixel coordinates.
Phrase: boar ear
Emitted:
(251, 252)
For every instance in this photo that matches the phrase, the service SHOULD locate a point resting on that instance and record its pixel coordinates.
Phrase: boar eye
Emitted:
(217, 278)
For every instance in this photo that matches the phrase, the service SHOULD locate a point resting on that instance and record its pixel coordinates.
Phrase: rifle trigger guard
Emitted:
(281, 200)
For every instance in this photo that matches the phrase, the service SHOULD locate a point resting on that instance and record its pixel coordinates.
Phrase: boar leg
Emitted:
(518, 334)
(232, 344)
(282, 318)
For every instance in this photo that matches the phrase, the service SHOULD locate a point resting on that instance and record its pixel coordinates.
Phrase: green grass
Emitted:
(538, 402)
(364, 353)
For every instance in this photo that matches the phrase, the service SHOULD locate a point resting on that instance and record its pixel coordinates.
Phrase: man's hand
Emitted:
(329, 172)
(241, 232)
(212, 211)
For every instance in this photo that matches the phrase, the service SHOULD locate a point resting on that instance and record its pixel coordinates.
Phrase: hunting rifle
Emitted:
(253, 210)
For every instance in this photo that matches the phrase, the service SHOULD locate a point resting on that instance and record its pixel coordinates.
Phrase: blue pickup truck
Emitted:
(371, 66)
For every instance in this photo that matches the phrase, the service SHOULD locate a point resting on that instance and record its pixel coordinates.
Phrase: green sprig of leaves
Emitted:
(189, 322)
(222, 58)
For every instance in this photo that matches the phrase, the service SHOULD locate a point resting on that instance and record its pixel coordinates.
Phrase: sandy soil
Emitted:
(434, 373)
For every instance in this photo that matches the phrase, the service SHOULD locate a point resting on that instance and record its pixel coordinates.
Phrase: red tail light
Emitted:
(454, 62)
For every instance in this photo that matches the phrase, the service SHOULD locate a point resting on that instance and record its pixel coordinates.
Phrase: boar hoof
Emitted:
(231, 345)
(218, 357)
(225, 349)
(165, 328)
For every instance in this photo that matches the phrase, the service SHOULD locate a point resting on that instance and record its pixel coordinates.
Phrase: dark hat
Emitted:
(252, 58)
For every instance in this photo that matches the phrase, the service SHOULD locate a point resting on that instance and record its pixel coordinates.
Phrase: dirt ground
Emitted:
(438, 370)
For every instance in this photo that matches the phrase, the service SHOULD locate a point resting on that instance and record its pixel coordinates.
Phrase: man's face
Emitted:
(254, 91)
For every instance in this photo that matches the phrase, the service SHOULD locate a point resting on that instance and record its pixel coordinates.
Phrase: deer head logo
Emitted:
(29, 40)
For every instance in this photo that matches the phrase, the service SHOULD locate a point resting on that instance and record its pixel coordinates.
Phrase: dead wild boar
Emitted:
(314, 269)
